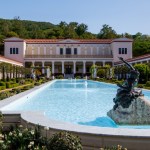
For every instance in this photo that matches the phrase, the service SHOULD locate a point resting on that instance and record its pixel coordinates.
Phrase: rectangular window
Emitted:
(87, 69)
(125, 50)
(17, 51)
(77, 68)
(61, 51)
(11, 51)
(75, 51)
(68, 51)
(122, 50)
(119, 50)
(14, 51)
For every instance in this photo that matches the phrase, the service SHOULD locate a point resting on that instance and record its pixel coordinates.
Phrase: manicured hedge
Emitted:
(2, 87)
(148, 83)
(2, 84)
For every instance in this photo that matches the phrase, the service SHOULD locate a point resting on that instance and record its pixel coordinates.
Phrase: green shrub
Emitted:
(118, 82)
(37, 83)
(22, 81)
(15, 84)
(8, 85)
(4, 95)
(148, 84)
(2, 87)
(64, 141)
(16, 91)
(2, 84)
(26, 88)
(140, 86)
(60, 77)
(13, 80)
(29, 80)
(114, 80)
(101, 79)
(78, 77)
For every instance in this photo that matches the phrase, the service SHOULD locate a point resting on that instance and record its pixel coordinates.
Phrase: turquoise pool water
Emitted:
(76, 101)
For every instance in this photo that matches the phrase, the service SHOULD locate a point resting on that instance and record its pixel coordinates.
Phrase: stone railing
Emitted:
(68, 56)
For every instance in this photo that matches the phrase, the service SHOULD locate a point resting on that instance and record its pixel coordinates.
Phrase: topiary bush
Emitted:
(64, 141)
(60, 77)
(148, 84)
(78, 77)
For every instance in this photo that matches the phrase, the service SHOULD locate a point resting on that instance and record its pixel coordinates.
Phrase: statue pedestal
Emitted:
(138, 113)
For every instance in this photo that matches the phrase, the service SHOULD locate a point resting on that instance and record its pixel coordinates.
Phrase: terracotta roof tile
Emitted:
(135, 58)
(61, 40)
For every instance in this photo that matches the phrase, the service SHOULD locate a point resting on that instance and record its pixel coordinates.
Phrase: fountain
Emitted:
(85, 83)
(130, 107)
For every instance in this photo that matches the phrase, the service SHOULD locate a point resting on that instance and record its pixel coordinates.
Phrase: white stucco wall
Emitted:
(15, 43)
(115, 49)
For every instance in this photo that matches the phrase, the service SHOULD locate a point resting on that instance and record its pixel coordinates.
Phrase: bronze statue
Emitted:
(127, 92)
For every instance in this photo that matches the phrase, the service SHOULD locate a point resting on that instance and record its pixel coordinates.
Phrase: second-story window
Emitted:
(61, 51)
(119, 50)
(122, 50)
(125, 50)
(14, 50)
(75, 51)
(11, 52)
(17, 52)
(68, 50)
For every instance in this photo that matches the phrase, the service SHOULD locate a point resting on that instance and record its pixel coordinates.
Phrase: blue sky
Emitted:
(130, 16)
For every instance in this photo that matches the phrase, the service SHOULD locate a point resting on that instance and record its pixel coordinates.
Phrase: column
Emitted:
(32, 64)
(103, 63)
(53, 67)
(44, 51)
(72, 50)
(84, 67)
(74, 67)
(38, 50)
(93, 62)
(43, 69)
(91, 51)
(62, 67)
(97, 50)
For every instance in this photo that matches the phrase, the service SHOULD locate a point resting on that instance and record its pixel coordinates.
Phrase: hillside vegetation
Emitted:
(46, 30)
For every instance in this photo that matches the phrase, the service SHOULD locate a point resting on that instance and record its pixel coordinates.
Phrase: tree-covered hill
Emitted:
(46, 30)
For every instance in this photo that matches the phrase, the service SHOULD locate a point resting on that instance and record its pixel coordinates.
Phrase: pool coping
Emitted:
(39, 118)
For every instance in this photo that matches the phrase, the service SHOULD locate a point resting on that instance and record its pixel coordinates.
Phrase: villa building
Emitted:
(67, 56)
(135, 60)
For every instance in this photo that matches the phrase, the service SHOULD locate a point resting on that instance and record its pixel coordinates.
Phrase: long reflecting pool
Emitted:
(76, 101)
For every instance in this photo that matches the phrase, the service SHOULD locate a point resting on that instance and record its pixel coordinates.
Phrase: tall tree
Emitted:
(81, 29)
(107, 32)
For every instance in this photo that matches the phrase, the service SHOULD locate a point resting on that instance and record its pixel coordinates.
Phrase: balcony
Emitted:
(68, 56)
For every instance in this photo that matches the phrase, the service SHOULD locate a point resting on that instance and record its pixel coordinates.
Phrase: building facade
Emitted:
(136, 60)
(67, 56)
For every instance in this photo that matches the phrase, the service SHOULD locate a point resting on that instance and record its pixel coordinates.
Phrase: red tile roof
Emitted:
(7, 60)
(135, 59)
(75, 41)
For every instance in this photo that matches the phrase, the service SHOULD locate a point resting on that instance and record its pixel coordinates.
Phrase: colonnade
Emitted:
(73, 65)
